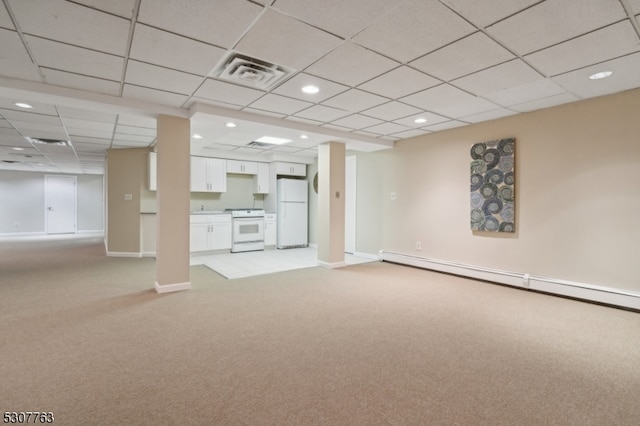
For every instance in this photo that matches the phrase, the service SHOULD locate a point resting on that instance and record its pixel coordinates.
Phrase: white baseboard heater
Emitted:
(593, 293)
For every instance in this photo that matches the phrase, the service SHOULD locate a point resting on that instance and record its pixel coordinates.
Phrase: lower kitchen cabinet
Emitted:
(210, 232)
(270, 229)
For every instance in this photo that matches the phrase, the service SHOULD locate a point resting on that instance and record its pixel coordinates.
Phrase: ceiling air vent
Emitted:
(260, 144)
(58, 142)
(251, 72)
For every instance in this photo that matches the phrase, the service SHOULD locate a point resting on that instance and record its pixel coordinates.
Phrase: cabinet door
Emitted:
(220, 236)
(261, 180)
(199, 236)
(242, 167)
(199, 182)
(291, 169)
(153, 171)
(217, 175)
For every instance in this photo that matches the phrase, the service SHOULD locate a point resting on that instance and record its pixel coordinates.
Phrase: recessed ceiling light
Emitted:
(272, 140)
(600, 75)
(304, 137)
(197, 136)
(23, 105)
(17, 149)
(231, 124)
(311, 89)
(420, 120)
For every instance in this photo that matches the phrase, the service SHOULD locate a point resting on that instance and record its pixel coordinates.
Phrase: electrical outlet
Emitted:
(418, 245)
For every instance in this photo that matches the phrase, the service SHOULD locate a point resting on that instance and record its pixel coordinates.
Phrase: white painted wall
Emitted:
(22, 202)
(577, 195)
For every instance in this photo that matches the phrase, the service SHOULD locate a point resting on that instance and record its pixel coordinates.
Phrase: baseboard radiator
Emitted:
(587, 292)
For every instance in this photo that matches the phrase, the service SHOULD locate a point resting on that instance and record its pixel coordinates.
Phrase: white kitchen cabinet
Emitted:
(152, 175)
(291, 169)
(242, 167)
(210, 232)
(208, 174)
(261, 180)
(270, 232)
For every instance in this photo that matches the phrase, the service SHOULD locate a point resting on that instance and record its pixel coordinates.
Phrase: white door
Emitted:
(350, 205)
(60, 204)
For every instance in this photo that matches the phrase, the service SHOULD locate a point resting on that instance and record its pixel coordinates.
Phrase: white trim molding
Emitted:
(123, 254)
(331, 265)
(170, 288)
(366, 255)
(593, 293)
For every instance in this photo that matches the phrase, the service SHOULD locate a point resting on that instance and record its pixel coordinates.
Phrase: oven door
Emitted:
(248, 230)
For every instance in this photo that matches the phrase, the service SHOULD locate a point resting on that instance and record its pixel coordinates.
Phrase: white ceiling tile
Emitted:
(625, 76)
(90, 147)
(137, 120)
(121, 144)
(267, 113)
(286, 41)
(387, 128)
(122, 8)
(84, 114)
(446, 125)
(334, 127)
(500, 77)
(355, 100)
(135, 130)
(280, 104)
(357, 121)
(154, 77)
(399, 82)
(525, 92)
(38, 107)
(391, 111)
(547, 102)
(86, 140)
(153, 95)
(5, 19)
(338, 66)
(14, 59)
(74, 24)
(247, 150)
(133, 138)
(187, 18)
(92, 133)
(413, 29)
(195, 99)
(554, 21)
(610, 42)
(463, 57)
(284, 148)
(429, 116)
(63, 57)
(173, 51)
(226, 92)
(465, 108)
(77, 124)
(635, 5)
(344, 18)
(442, 95)
(483, 13)
(489, 115)
(293, 88)
(321, 113)
(410, 133)
(15, 116)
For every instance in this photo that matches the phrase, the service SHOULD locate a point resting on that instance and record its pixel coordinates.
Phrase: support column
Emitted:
(172, 200)
(331, 186)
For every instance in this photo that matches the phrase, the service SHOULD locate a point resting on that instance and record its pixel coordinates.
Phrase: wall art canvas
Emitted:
(493, 186)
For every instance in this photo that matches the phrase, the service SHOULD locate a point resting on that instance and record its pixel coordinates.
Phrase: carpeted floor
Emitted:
(86, 338)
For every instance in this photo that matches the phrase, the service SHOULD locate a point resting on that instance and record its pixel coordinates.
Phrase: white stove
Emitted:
(248, 229)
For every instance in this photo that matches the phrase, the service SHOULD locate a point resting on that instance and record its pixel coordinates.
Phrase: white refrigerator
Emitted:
(293, 213)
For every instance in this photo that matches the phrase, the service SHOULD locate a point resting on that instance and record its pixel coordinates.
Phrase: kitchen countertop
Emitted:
(209, 212)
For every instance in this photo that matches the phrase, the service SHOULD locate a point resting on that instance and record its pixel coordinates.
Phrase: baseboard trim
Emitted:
(123, 254)
(170, 288)
(588, 292)
(148, 254)
(366, 255)
(331, 265)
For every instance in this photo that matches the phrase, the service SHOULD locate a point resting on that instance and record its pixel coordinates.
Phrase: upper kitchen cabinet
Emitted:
(291, 169)
(208, 174)
(242, 167)
(261, 179)
(152, 169)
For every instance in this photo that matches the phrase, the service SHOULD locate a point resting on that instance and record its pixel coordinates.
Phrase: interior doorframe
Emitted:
(47, 199)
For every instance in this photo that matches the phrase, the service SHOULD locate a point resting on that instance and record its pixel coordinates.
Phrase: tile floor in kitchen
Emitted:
(240, 265)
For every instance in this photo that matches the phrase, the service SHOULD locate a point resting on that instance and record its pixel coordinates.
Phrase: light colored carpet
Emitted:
(86, 337)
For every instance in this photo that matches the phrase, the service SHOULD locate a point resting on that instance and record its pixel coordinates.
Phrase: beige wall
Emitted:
(577, 194)
(125, 174)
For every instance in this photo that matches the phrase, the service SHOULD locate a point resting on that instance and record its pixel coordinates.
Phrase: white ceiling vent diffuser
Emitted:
(251, 72)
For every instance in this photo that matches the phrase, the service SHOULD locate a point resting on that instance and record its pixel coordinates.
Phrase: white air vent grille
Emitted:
(252, 72)
(260, 144)
(58, 142)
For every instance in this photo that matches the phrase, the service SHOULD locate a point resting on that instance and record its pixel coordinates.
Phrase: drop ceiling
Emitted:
(97, 73)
